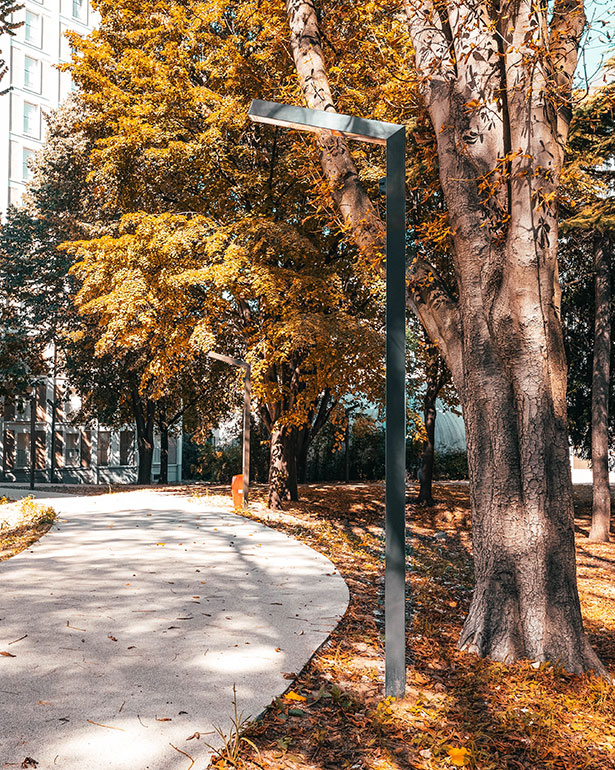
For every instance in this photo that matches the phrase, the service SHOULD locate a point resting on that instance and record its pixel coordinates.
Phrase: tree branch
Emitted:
(353, 202)
(439, 314)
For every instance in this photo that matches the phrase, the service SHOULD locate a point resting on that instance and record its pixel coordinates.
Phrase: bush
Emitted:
(327, 455)
(450, 466)
(32, 512)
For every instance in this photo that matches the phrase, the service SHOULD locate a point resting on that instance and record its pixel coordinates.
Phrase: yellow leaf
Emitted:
(457, 756)
(292, 695)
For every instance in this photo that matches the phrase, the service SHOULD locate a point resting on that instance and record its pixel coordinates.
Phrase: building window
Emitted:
(26, 173)
(23, 449)
(104, 441)
(33, 28)
(15, 195)
(172, 450)
(31, 74)
(127, 441)
(9, 409)
(79, 9)
(72, 451)
(30, 119)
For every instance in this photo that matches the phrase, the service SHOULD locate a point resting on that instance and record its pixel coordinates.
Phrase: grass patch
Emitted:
(459, 711)
(22, 527)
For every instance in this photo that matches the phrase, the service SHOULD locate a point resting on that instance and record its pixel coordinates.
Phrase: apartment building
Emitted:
(35, 83)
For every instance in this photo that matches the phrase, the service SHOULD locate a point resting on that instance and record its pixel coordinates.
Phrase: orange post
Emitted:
(237, 491)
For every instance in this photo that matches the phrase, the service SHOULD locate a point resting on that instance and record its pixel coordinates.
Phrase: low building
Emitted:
(68, 453)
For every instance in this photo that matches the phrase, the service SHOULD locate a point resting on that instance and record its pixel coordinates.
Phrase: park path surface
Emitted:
(134, 617)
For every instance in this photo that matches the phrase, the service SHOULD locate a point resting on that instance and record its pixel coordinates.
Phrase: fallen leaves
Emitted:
(30, 522)
(457, 755)
(292, 695)
(460, 711)
(6, 654)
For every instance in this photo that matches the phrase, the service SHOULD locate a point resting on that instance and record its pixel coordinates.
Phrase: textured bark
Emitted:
(502, 340)
(601, 493)
(282, 467)
(429, 299)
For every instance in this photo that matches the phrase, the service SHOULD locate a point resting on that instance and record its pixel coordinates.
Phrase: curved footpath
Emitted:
(131, 621)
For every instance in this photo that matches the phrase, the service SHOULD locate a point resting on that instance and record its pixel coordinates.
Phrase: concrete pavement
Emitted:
(131, 621)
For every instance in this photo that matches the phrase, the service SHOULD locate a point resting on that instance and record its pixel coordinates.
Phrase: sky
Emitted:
(599, 43)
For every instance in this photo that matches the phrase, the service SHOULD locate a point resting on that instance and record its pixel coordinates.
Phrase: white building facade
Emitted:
(34, 83)
(82, 454)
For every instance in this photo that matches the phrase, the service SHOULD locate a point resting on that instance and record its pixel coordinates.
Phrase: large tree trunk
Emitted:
(525, 602)
(601, 505)
(144, 411)
(282, 467)
(497, 90)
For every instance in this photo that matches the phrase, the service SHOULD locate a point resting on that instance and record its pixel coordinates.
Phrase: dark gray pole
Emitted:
(393, 136)
(32, 436)
(395, 462)
(247, 397)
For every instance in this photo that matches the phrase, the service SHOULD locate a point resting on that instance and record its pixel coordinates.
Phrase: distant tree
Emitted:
(589, 229)
(221, 243)
(117, 387)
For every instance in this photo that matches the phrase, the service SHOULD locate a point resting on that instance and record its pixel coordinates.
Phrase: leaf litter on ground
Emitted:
(459, 710)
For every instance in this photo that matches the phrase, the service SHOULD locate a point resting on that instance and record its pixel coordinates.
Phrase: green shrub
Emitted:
(450, 466)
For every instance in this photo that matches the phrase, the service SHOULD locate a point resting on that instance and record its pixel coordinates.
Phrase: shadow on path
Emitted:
(131, 621)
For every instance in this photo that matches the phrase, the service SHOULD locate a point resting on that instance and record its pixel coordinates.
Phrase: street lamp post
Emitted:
(33, 435)
(247, 397)
(393, 137)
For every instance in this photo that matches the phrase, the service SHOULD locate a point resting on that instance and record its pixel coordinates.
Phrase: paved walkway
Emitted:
(131, 621)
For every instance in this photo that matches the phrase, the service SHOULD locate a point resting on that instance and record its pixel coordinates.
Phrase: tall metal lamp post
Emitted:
(393, 137)
(247, 393)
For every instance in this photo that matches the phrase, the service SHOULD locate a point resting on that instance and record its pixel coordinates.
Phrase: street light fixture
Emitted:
(247, 389)
(393, 137)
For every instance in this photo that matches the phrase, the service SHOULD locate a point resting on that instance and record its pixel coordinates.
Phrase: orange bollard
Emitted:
(237, 491)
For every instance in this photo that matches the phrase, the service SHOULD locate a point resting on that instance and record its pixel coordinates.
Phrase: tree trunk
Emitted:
(144, 413)
(282, 467)
(304, 439)
(163, 478)
(525, 602)
(347, 452)
(601, 504)
(427, 458)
